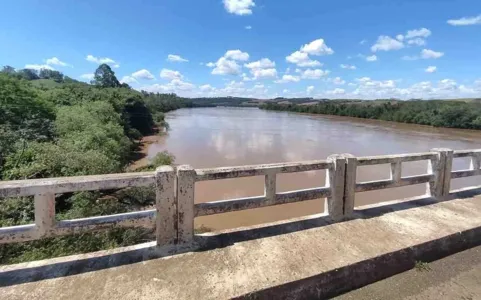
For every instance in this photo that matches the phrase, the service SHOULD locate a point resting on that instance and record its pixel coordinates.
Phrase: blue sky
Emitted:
(257, 48)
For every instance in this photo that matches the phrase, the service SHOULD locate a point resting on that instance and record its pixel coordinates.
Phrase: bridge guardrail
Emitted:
(173, 216)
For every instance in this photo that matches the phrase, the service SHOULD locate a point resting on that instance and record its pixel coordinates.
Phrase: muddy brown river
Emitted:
(215, 137)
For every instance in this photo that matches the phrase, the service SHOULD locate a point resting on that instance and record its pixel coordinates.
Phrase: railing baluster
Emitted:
(44, 213)
(186, 176)
(166, 206)
(440, 167)
(270, 187)
(396, 170)
(350, 184)
(335, 180)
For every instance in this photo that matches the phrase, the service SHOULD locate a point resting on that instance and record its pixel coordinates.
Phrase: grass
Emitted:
(45, 83)
(421, 266)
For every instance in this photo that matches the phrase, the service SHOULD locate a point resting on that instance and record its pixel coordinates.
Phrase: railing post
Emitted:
(270, 187)
(44, 213)
(166, 206)
(396, 170)
(335, 180)
(441, 169)
(185, 203)
(350, 184)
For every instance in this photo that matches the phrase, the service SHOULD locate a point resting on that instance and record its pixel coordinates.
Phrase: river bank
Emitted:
(437, 113)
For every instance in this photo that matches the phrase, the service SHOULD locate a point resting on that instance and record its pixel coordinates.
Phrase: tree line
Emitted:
(439, 113)
(54, 126)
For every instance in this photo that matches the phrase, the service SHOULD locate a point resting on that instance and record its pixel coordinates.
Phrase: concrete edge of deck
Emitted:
(378, 242)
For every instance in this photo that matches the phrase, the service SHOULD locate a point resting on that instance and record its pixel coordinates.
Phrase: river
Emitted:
(215, 137)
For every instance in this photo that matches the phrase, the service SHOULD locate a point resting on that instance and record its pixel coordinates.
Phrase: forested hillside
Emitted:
(440, 113)
(52, 126)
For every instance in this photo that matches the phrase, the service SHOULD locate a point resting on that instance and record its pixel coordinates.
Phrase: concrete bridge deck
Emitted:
(289, 260)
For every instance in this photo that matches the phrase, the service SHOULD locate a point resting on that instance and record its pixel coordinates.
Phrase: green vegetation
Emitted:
(421, 266)
(439, 113)
(52, 126)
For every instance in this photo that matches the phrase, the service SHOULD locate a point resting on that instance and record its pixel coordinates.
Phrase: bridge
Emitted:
(325, 254)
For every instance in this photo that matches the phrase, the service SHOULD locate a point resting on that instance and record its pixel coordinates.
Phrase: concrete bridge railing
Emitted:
(173, 216)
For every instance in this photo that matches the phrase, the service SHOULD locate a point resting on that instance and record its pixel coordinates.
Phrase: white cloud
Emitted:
(126, 79)
(317, 47)
(285, 91)
(309, 89)
(210, 64)
(263, 68)
(38, 67)
(465, 21)
(336, 91)
(310, 63)
(176, 58)
(314, 74)
(239, 7)
(349, 67)
(56, 62)
(288, 78)
(207, 88)
(386, 43)
(302, 59)
(102, 60)
(237, 55)
(170, 74)
(263, 63)
(225, 66)
(447, 85)
(338, 81)
(297, 57)
(248, 27)
(143, 74)
(179, 85)
(233, 88)
(367, 88)
(422, 32)
(264, 73)
(87, 76)
(417, 42)
(400, 37)
(430, 69)
(371, 58)
(246, 78)
(427, 54)
(362, 42)
(174, 86)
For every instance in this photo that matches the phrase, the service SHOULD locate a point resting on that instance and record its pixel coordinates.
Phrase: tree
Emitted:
(51, 74)
(28, 74)
(105, 77)
(8, 70)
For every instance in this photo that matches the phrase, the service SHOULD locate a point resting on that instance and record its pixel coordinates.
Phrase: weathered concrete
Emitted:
(457, 276)
(185, 203)
(175, 208)
(166, 206)
(304, 258)
(336, 174)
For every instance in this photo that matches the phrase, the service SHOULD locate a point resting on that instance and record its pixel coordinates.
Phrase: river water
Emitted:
(215, 137)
